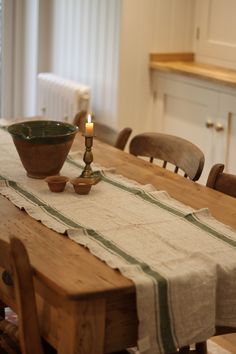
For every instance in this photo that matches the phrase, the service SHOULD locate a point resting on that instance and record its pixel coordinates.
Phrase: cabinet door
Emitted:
(228, 116)
(190, 112)
(217, 32)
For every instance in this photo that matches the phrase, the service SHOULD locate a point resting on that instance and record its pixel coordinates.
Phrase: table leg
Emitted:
(201, 348)
(82, 330)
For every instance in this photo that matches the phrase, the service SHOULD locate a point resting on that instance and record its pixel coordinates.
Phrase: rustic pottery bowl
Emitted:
(56, 183)
(83, 185)
(42, 145)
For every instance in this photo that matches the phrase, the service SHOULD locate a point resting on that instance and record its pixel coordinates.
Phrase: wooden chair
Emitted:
(105, 133)
(16, 273)
(170, 149)
(223, 182)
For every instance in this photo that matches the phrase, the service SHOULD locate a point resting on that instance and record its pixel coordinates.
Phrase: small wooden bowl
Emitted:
(56, 183)
(83, 185)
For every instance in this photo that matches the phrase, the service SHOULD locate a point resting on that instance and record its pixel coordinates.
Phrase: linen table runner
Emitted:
(182, 261)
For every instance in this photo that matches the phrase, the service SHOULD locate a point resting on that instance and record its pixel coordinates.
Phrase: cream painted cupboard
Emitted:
(216, 32)
(201, 112)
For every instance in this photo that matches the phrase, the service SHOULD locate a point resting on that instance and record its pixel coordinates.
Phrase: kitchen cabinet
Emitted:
(216, 32)
(200, 112)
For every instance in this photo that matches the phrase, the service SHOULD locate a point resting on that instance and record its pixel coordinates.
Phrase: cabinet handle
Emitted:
(219, 127)
(209, 124)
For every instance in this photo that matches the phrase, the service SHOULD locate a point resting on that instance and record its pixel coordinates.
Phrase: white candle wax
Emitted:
(89, 126)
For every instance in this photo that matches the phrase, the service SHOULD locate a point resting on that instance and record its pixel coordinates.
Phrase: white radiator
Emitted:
(60, 99)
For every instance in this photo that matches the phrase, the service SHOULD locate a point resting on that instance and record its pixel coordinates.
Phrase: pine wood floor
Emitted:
(227, 341)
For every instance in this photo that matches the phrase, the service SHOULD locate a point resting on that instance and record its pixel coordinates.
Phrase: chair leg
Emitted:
(201, 348)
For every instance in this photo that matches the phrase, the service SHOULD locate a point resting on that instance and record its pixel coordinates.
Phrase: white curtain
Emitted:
(20, 57)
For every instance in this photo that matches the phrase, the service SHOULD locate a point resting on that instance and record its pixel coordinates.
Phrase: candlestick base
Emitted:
(88, 158)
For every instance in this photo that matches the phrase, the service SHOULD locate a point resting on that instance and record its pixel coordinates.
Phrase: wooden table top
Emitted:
(68, 267)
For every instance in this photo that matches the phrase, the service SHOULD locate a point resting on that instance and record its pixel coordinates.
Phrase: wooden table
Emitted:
(84, 305)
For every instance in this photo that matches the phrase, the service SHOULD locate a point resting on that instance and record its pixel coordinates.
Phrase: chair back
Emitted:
(222, 182)
(17, 273)
(105, 133)
(170, 149)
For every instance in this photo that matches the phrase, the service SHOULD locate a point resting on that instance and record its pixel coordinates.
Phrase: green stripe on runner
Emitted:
(144, 195)
(52, 211)
(193, 219)
(189, 217)
(165, 323)
(138, 191)
(36, 201)
(70, 160)
(26, 194)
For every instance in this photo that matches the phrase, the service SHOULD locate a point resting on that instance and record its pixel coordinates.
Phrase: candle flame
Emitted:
(89, 118)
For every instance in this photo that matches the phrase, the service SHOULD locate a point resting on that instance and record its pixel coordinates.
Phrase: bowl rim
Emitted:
(56, 179)
(85, 180)
(43, 122)
(39, 138)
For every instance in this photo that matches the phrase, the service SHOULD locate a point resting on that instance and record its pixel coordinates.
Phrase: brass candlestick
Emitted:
(88, 157)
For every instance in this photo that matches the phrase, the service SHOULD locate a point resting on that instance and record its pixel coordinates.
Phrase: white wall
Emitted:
(148, 26)
(137, 36)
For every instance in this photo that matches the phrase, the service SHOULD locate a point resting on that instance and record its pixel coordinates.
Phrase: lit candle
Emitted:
(89, 126)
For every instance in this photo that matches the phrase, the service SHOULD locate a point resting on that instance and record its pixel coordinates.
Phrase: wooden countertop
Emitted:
(184, 64)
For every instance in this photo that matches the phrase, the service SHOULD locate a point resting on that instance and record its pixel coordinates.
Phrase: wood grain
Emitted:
(207, 72)
(228, 342)
(181, 56)
(83, 327)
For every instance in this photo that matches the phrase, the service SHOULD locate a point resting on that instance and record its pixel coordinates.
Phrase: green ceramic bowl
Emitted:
(43, 131)
(42, 145)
